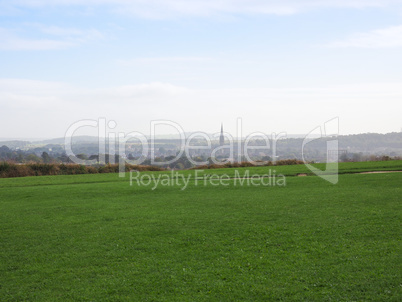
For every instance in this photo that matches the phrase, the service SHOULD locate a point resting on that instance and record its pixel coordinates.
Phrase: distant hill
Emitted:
(366, 143)
(15, 144)
(75, 139)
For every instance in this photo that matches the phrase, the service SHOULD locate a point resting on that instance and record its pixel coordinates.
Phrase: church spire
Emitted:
(221, 138)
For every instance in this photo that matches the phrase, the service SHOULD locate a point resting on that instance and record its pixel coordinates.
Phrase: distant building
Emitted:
(221, 138)
(335, 155)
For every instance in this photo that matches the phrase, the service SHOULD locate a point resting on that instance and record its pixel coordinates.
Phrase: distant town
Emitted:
(359, 147)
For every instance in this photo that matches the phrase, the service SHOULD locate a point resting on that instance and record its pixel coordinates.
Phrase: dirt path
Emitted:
(374, 172)
(368, 172)
(304, 174)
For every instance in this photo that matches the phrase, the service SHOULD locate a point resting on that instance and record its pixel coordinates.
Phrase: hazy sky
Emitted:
(285, 65)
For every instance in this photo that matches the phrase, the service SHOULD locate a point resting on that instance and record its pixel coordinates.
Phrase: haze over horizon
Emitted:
(176, 136)
(282, 66)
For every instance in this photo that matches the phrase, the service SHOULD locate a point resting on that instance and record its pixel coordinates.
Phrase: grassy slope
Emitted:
(352, 167)
(64, 239)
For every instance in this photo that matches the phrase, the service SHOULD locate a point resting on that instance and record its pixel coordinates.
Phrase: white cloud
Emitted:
(145, 92)
(159, 60)
(296, 110)
(380, 38)
(61, 38)
(141, 92)
(30, 95)
(10, 41)
(32, 86)
(171, 8)
(71, 33)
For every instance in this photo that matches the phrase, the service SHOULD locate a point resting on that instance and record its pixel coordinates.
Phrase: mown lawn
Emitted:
(96, 238)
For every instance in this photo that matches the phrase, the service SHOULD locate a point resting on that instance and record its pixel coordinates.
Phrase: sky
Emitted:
(280, 66)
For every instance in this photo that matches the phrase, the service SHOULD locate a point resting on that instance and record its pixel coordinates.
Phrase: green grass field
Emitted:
(96, 238)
